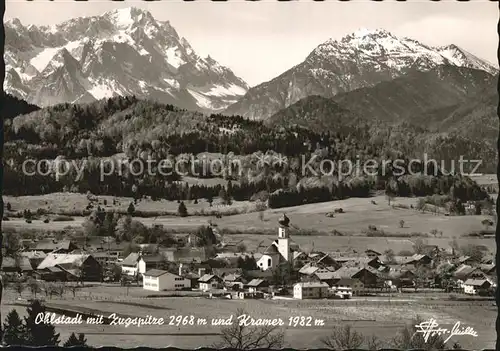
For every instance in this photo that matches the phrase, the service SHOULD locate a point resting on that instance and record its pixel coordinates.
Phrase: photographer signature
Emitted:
(431, 327)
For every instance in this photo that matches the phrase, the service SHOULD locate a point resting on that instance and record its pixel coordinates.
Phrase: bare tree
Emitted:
(34, 287)
(343, 338)
(241, 337)
(19, 286)
(373, 343)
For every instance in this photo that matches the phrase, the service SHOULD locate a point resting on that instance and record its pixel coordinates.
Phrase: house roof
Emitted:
(487, 267)
(51, 245)
(207, 277)
(464, 271)
(256, 282)
(155, 273)
(22, 262)
(232, 277)
(271, 250)
(477, 282)
(312, 285)
(63, 259)
(34, 254)
(131, 259)
(325, 275)
(308, 270)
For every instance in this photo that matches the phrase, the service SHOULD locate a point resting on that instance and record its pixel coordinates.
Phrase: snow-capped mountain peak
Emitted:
(124, 51)
(361, 59)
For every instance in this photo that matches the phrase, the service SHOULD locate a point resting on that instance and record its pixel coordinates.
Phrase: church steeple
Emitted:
(283, 238)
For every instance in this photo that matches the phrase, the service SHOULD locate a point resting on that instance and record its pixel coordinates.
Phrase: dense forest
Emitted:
(295, 162)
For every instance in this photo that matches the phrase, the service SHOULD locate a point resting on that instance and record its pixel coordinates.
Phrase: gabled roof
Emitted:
(21, 262)
(156, 273)
(131, 259)
(477, 282)
(34, 254)
(271, 250)
(308, 270)
(325, 275)
(46, 245)
(207, 278)
(63, 259)
(312, 285)
(256, 283)
(487, 267)
(464, 271)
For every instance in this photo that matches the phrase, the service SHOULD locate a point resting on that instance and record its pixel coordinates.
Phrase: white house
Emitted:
(475, 286)
(159, 280)
(209, 281)
(310, 290)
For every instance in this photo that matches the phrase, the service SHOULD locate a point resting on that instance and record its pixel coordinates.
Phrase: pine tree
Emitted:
(74, 341)
(131, 208)
(13, 330)
(182, 210)
(41, 334)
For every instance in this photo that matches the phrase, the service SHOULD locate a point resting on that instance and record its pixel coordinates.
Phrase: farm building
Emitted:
(476, 286)
(367, 275)
(159, 280)
(210, 282)
(310, 290)
(47, 246)
(465, 272)
(256, 285)
(20, 264)
(76, 266)
(325, 276)
(35, 257)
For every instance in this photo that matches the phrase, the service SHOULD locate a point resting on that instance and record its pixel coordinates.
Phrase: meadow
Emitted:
(370, 316)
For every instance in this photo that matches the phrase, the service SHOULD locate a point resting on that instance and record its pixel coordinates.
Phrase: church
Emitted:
(280, 250)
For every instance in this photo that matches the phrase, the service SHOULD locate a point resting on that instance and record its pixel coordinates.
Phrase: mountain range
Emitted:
(122, 52)
(359, 60)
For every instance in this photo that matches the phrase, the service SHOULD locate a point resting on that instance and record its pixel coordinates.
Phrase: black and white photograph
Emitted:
(249, 174)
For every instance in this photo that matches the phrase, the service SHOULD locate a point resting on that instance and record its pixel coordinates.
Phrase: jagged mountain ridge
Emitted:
(122, 52)
(362, 59)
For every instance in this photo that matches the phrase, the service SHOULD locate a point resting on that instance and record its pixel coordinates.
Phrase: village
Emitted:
(279, 271)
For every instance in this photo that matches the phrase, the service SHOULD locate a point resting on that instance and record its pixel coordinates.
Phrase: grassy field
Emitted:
(377, 316)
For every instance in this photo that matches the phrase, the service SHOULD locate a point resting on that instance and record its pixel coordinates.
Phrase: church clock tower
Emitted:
(284, 239)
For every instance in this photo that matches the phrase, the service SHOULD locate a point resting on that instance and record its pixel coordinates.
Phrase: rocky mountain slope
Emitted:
(362, 59)
(122, 52)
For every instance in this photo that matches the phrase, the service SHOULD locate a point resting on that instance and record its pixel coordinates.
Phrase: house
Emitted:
(466, 260)
(159, 280)
(210, 282)
(367, 275)
(307, 271)
(465, 272)
(104, 257)
(35, 257)
(256, 285)
(75, 266)
(137, 263)
(234, 281)
(325, 276)
(372, 253)
(355, 285)
(374, 262)
(310, 290)
(20, 264)
(476, 286)
(488, 269)
(188, 254)
(47, 246)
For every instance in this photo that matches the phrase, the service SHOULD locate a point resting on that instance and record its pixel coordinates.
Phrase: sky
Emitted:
(260, 40)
